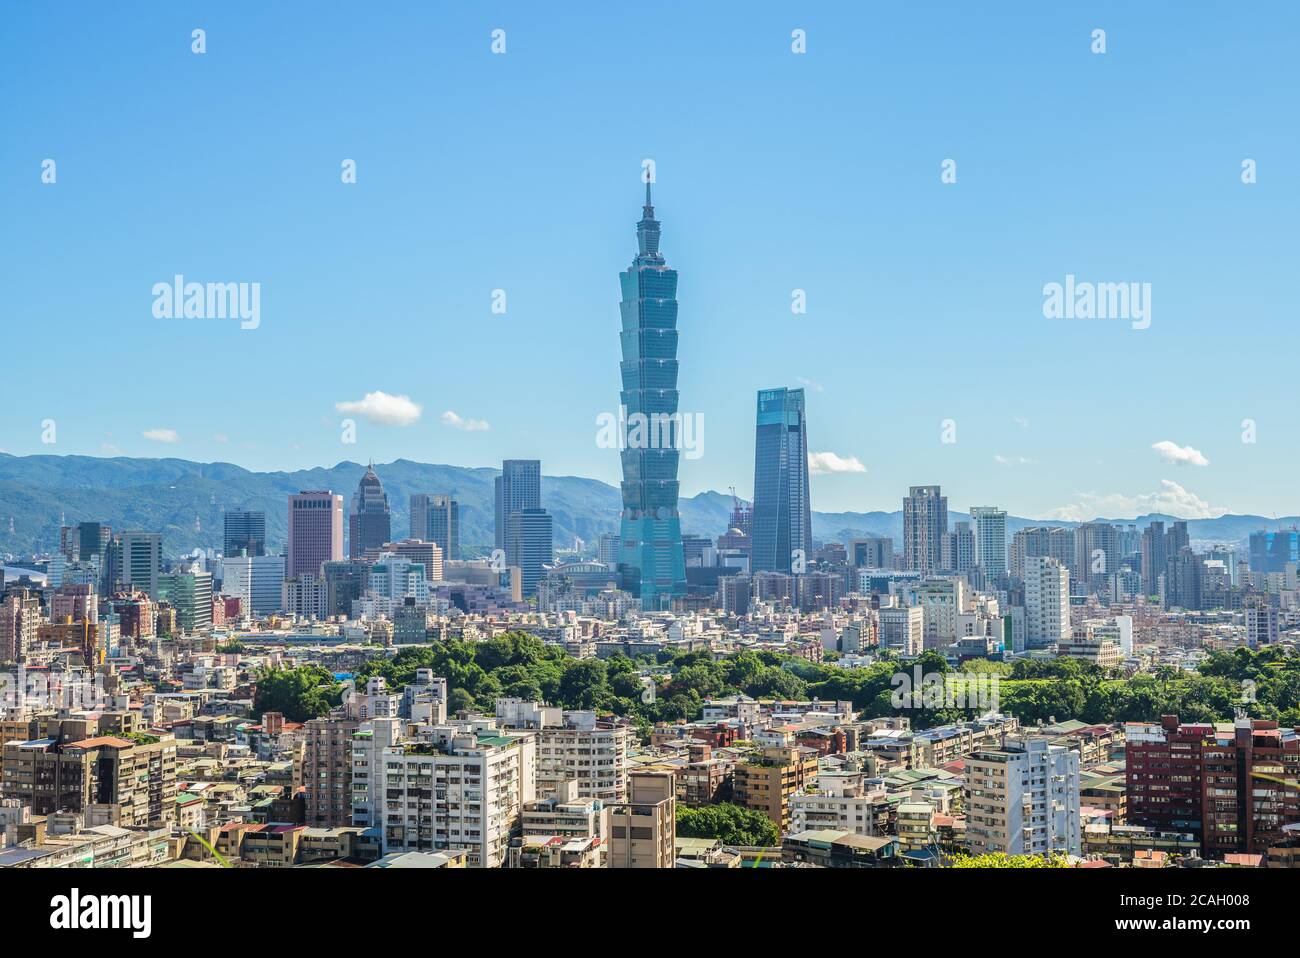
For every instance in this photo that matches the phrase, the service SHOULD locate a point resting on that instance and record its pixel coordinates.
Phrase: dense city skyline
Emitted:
(912, 497)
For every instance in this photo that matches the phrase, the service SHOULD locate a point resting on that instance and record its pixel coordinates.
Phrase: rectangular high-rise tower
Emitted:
(244, 534)
(436, 518)
(315, 532)
(651, 562)
(781, 524)
(925, 520)
(519, 487)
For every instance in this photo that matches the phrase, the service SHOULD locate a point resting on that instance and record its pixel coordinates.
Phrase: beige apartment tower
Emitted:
(644, 828)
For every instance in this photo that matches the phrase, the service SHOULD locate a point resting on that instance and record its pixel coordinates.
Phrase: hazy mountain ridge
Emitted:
(168, 495)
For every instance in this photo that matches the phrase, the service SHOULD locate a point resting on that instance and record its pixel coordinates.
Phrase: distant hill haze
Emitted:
(185, 501)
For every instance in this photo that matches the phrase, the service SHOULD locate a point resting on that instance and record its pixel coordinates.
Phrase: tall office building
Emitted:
(781, 520)
(925, 520)
(190, 594)
(1096, 555)
(244, 534)
(345, 582)
(436, 518)
(609, 549)
(990, 538)
(873, 552)
(92, 539)
(369, 524)
(255, 581)
(141, 562)
(315, 532)
(1153, 557)
(1047, 601)
(651, 562)
(530, 546)
(518, 487)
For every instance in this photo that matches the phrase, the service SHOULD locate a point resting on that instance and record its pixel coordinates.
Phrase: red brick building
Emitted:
(1234, 785)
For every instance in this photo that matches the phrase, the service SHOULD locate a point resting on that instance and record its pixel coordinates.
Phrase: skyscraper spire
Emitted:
(651, 560)
(647, 233)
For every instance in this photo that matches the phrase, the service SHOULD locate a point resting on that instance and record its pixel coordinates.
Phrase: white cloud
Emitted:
(810, 384)
(450, 418)
(381, 409)
(820, 463)
(1179, 455)
(1012, 460)
(220, 437)
(108, 449)
(161, 435)
(1171, 499)
(1020, 421)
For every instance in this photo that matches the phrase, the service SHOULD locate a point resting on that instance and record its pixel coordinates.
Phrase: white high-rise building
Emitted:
(460, 787)
(141, 562)
(1261, 625)
(1047, 601)
(305, 596)
(1022, 798)
(990, 538)
(902, 628)
(941, 602)
(256, 581)
(573, 746)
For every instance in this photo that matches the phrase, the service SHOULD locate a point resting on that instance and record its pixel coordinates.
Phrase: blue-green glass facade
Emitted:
(782, 518)
(651, 560)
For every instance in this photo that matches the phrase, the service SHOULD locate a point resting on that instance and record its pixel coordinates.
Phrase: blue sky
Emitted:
(775, 172)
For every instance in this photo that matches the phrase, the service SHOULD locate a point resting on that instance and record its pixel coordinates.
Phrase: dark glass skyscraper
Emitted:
(782, 517)
(244, 534)
(650, 561)
(370, 524)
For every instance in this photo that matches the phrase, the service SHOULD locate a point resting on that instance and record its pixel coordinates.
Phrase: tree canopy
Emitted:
(730, 824)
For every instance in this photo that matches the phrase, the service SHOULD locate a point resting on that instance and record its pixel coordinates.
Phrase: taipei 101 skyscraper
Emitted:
(651, 562)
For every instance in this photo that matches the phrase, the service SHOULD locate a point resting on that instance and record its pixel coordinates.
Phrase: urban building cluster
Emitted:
(132, 735)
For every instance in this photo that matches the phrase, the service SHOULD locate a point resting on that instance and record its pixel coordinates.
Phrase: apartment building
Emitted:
(1022, 798)
(643, 829)
(941, 602)
(767, 782)
(1226, 783)
(575, 746)
(462, 787)
(20, 619)
(902, 630)
(327, 771)
(563, 830)
(839, 802)
(1047, 601)
(136, 775)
